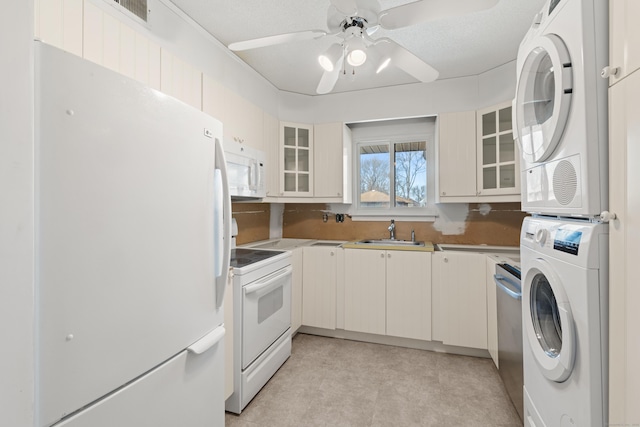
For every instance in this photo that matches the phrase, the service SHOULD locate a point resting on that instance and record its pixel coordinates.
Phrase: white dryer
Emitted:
(564, 319)
(560, 109)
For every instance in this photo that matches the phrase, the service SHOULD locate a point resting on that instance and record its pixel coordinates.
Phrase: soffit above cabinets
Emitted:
(466, 45)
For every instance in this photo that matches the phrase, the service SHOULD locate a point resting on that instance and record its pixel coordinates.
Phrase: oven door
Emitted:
(266, 313)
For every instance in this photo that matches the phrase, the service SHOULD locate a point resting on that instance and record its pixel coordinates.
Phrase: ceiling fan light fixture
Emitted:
(384, 64)
(356, 57)
(330, 57)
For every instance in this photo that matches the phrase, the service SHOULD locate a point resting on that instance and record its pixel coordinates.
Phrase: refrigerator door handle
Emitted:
(223, 216)
(208, 341)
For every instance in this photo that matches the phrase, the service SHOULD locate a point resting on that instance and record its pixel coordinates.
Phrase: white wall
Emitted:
(16, 215)
(421, 99)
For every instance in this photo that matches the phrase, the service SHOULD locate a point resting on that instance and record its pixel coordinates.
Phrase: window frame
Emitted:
(422, 213)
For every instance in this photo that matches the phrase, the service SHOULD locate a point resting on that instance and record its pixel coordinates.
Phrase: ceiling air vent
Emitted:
(137, 7)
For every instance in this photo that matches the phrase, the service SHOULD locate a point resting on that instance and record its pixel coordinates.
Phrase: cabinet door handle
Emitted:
(445, 259)
(382, 255)
(388, 255)
(331, 253)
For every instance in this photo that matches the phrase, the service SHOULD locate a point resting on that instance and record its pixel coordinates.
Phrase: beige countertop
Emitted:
(428, 247)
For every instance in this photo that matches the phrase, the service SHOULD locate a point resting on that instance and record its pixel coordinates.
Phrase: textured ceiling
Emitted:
(462, 46)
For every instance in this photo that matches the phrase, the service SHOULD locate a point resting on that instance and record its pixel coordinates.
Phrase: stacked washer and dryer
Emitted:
(560, 116)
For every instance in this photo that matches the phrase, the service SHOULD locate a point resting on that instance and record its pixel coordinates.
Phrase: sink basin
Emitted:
(389, 242)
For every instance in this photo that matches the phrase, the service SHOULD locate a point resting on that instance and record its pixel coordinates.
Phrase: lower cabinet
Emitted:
(409, 294)
(388, 292)
(365, 291)
(296, 289)
(319, 286)
(492, 308)
(460, 295)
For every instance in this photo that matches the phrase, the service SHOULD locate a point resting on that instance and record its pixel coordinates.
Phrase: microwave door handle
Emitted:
(253, 176)
(265, 285)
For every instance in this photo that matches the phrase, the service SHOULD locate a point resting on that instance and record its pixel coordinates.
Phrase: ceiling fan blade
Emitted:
(329, 78)
(407, 61)
(277, 39)
(429, 10)
(346, 7)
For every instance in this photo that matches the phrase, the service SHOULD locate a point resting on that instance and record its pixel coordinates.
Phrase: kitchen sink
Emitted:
(329, 244)
(390, 242)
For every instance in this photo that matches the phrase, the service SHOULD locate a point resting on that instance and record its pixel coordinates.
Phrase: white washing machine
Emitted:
(560, 109)
(564, 319)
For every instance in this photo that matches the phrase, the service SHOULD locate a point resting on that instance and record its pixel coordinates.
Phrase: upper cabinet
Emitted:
(498, 167)
(296, 160)
(242, 121)
(478, 160)
(457, 154)
(313, 163)
(60, 24)
(623, 39)
(332, 161)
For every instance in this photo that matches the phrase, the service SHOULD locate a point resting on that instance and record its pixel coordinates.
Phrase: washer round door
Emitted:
(548, 321)
(543, 97)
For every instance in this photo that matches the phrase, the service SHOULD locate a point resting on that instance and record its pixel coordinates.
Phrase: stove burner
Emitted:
(242, 257)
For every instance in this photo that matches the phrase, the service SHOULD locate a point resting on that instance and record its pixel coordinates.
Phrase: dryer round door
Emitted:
(548, 321)
(543, 97)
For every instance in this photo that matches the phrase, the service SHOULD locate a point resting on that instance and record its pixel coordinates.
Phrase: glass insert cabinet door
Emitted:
(498, 165)
(296, 156)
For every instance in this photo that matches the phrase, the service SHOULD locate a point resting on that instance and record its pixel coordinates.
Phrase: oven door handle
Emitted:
(267, 283)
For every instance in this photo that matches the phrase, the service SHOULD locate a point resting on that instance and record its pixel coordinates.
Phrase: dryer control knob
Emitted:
(541, 236)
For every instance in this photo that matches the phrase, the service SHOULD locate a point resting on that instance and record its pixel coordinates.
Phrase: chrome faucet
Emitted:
(392, 230)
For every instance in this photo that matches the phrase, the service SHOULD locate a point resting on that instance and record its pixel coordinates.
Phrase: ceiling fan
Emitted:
(352, 22)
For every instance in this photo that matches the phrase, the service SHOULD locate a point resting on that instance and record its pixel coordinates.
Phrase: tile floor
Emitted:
(334, 382)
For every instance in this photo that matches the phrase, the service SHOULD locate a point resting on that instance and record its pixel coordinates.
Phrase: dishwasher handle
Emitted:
(505, 285)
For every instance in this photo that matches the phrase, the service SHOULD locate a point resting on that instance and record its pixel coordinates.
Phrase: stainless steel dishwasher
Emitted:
(509, 304)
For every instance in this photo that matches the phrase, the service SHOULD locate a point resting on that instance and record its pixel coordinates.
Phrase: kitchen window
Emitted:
(394, 168)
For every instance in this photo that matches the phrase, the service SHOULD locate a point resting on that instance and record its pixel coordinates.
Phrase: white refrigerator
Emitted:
(132, 236)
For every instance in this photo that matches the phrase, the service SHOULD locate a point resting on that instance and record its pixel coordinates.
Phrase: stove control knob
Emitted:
(541, 236)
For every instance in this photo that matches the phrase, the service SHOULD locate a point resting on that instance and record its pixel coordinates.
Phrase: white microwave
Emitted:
(245, 171)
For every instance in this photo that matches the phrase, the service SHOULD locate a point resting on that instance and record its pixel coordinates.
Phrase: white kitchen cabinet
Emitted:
(319, 284)
(244, 122)
(296, 288)
(365, 291)
(213, 99)
(457, 155)
(271, 134)
(409, 294)
(624, 38)
(498, 168)
(180, 79)
(296, 160)
(59, 23)
(478, 160)
(624, 244)
(492, 309)
(112, 44)
(332, 154)
(388, 292)
(460, 299)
